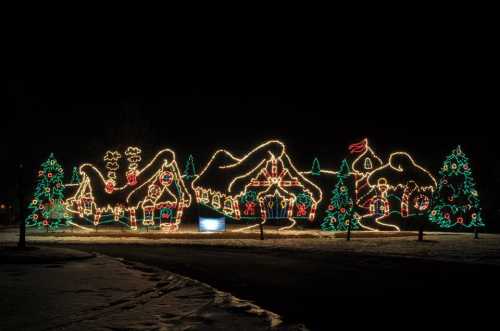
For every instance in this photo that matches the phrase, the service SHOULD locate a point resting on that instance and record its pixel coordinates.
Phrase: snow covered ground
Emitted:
(105, 293)
(437, 246)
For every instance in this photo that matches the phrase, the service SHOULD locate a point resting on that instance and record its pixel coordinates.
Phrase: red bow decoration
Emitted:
(359, 147)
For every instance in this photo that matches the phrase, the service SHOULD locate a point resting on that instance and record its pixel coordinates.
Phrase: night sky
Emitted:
(79, 119)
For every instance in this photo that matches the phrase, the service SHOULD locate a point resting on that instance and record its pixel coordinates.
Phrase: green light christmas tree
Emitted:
(344, 169)
(47, 206)
(340, 211)
(316, 169)
(75, 177)
(456, 201)
(189, 170)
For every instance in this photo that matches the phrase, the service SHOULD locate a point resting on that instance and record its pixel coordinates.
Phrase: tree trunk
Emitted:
(349, 231)
(22, 221)
(421, 231)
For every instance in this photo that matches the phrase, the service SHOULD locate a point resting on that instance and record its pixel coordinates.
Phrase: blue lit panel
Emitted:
(212, 224)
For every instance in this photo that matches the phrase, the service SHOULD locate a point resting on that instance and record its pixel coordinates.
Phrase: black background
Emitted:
(80, 116)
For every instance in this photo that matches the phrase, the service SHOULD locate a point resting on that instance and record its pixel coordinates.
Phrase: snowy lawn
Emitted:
(438, 246)
(10, 254)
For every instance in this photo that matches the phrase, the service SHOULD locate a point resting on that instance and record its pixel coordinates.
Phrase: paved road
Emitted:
(322, 289)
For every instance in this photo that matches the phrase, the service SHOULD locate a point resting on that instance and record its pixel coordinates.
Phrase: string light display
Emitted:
(400, 186)
(75, 176)
(340, 213)
(316, 169)
(189, 170)
(263, 184)
(456, 202)
(344, 170)
(158, 190)
(133, 155)
(47, 206)
(111, 158)
(367, 159)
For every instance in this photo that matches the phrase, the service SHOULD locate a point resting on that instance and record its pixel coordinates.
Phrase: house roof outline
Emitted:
(231, 172)
(93, 182)
(403, 170)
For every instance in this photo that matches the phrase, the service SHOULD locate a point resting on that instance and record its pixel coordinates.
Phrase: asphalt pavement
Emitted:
(322, 289)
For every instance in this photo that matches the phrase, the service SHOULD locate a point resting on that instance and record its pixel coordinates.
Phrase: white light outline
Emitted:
(274, 158)
(171, 164)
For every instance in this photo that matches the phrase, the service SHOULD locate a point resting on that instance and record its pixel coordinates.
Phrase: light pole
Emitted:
(261, 227)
